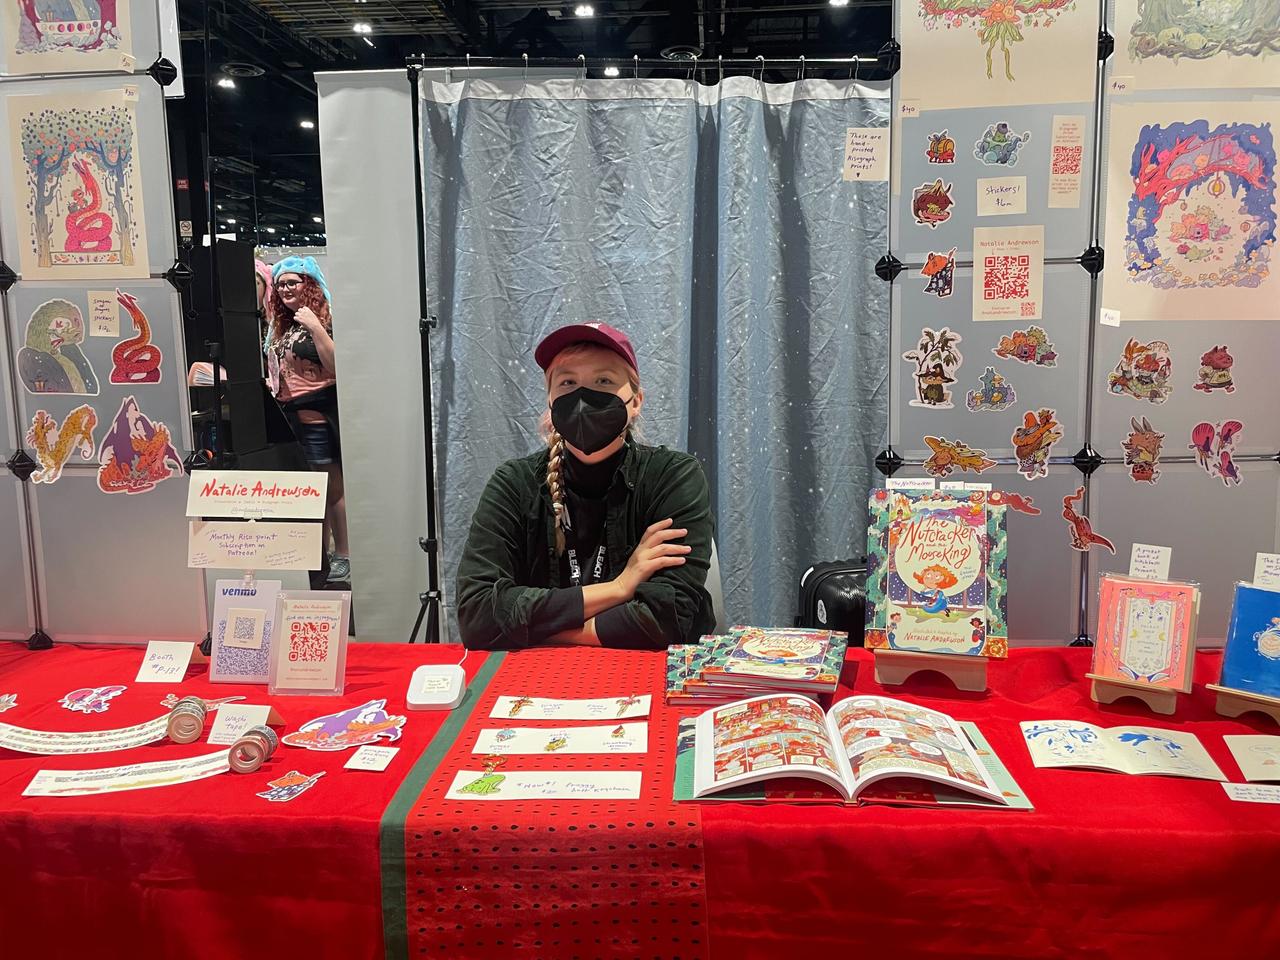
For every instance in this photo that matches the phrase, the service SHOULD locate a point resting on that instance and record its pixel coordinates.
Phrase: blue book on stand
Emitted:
(1251, 659)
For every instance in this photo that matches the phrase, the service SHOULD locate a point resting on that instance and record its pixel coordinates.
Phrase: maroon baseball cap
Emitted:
(600, 334)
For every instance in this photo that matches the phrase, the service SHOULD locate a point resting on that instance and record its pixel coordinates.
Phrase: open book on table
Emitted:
(1074, 743)
(860, 741)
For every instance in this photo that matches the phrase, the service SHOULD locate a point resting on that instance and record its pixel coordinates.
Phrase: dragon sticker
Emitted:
(136, 454)
(54, 444)
(136, 360)
(949, 455)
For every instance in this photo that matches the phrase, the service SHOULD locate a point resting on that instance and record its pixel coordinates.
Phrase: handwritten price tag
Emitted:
(1149, 562)
(235, 719)
(165, 661)
(1266, 571)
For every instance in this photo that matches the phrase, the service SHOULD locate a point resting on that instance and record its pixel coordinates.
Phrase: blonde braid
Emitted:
(554, 485)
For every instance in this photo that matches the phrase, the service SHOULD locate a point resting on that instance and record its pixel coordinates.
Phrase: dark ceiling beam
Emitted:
(532, 29)
(462, 17)
(652, 8)
(275, 34)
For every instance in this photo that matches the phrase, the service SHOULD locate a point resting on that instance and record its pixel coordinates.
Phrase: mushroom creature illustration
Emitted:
(936, 356)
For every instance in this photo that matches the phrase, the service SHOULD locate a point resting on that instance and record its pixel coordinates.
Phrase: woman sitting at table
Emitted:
(596, 540)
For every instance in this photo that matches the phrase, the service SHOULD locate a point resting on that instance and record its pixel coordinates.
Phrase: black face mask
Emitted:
(589, 419)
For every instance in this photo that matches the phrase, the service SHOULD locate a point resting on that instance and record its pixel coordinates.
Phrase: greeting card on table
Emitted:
(488, 784)
(1146, 631)
(936, 573)
(309, 642)
(607, 738)
(1251, 658)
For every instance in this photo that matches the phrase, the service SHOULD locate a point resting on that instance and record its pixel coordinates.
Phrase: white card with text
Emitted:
(1266, 571)
(1150, 562)
(1253, 792)
(559, 785)
(372, 758)
(603, 708)
(608, 738)
(234, 719)
(165, 661)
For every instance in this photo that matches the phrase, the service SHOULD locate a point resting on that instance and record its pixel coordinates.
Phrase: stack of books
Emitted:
(750, 661)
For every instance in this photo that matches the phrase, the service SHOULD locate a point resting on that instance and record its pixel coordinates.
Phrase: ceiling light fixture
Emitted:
(317, 220)
(584, 10)
(368, 41)
(231, 220)
(611, 71)
(838, 3)
(271, 229)
(362, 28)
(226, 83)
(307, 124)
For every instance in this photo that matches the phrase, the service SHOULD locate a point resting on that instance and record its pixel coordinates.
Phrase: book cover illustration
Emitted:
(1251, 658)
(1146, 631)
(796, 655)
(937, 574)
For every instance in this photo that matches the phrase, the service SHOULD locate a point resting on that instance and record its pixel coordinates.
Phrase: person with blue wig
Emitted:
(302, 343)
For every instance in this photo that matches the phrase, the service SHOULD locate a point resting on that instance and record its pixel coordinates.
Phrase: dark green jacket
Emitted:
(508, 590)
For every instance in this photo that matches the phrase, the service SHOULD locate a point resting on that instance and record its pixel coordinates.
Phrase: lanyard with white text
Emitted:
(575, 571)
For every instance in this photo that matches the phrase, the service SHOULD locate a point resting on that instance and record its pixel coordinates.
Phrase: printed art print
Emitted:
(79, 186)
(1194, 239)
(1193, 44)
(65, 36)
(997, 52)
(1251, 657)
(937, 573)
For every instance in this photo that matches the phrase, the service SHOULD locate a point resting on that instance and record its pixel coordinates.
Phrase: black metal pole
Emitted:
(215, 298)
(430, 600)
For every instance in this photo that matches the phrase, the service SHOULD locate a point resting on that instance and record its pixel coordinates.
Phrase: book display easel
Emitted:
(96, 428)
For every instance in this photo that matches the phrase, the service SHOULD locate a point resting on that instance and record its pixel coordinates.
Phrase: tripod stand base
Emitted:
(429, 610)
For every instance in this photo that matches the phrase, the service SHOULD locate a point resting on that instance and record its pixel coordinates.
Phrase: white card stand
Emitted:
(1108, 690)
(895, 667)
(1235, 703)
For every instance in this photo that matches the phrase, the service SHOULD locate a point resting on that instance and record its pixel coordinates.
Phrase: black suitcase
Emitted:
(833, 597)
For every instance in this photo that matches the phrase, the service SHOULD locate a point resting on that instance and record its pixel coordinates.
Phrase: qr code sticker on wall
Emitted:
(1066, 160)
(1006, 277)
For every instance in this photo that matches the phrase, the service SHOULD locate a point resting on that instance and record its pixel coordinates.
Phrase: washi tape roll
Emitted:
(186, 720)
(253, 749)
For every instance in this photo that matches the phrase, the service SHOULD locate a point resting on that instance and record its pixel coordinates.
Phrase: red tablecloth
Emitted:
(206, 869)
(1106, 866)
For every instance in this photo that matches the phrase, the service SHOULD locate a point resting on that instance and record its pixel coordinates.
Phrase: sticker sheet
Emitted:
(603, 708)
(969, 53)
(607, 738)
(55, 443)
(81, 37)
(51, 359)
(1191, 211)
(79, 186)
(1177, 44)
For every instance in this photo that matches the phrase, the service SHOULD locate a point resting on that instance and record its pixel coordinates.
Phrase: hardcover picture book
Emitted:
(937, 573)
(1251, 658)
(1136, 750)
(749, 661)
(860, 741)
(1146, 631)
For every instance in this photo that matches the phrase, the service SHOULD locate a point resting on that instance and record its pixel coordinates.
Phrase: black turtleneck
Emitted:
(586, 485)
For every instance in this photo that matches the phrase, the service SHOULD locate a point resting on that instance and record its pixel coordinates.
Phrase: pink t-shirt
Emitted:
(299, 377)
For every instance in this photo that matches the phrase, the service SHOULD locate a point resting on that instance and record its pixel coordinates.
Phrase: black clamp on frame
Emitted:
(888, 462)
(1093, 260)
(21, 465)
(891, 56)
(196, 460)
(1087, 460)
(888, 267)
(179, 275)
(7, 277)
(1106, 47)
(426, 325)
(163, 72)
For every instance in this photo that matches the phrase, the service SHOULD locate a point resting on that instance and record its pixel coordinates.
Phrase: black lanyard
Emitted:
(575, 571)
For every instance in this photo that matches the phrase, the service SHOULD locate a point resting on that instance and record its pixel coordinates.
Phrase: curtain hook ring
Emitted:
(693, 68)
(761, 59)
(582, 67)
(720, 64)
(526, 67)
(635, 65)
(468, 66)
(801, 77)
